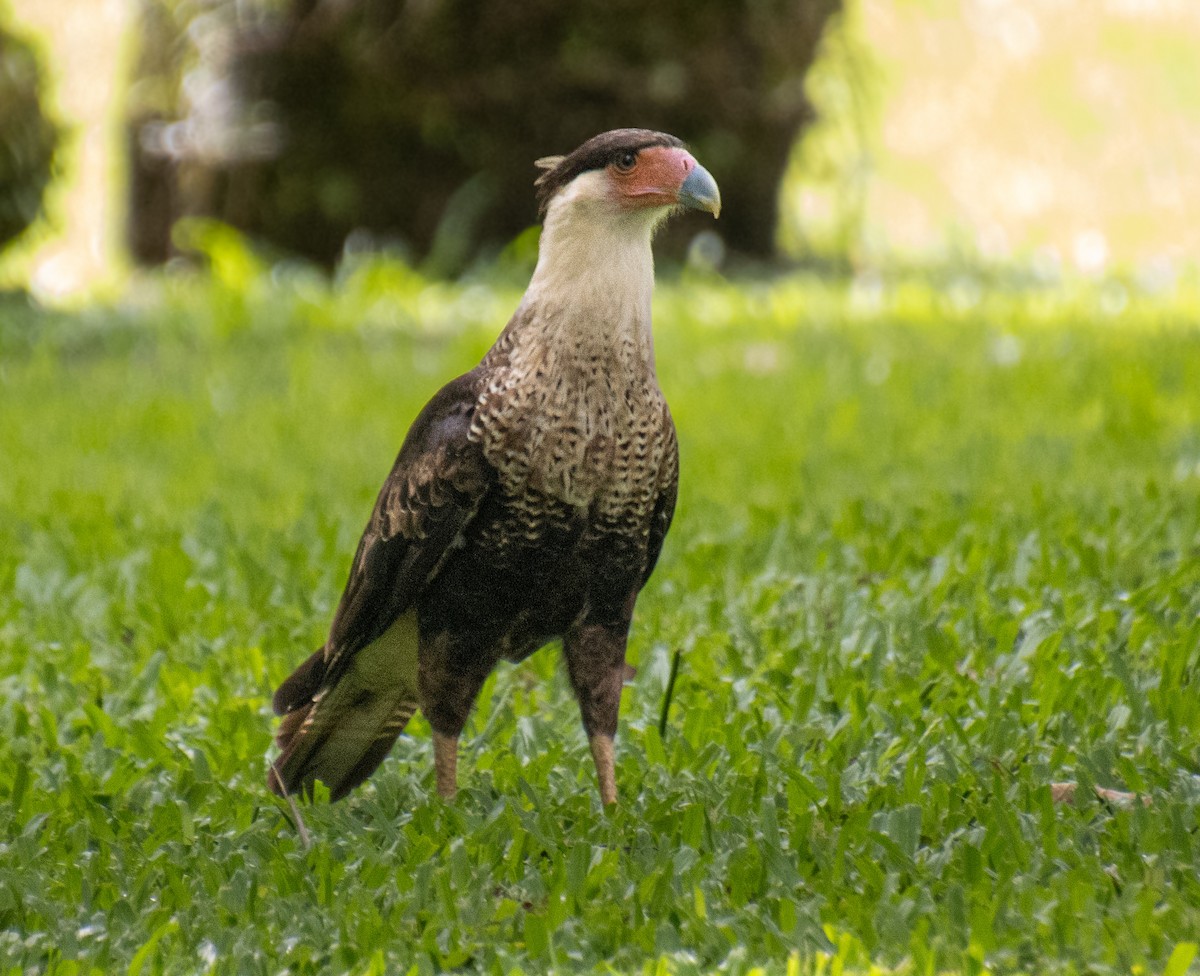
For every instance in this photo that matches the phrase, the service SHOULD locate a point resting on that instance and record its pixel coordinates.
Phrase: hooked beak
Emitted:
(700, 192)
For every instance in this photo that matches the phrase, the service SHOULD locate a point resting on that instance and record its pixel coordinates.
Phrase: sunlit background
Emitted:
(1060, 132)
(1051, 137)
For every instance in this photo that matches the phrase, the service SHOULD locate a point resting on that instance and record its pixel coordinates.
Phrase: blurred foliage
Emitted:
(181, 118)
(28, 136)
(311, 122)
(829, 174)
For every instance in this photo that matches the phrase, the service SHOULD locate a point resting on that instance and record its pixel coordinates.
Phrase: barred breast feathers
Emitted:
(578, 423)
(571, 405)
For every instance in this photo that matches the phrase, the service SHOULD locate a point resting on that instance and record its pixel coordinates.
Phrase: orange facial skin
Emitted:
(654, 178)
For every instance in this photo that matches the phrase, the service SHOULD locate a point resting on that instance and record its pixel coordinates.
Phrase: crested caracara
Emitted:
(529, 501)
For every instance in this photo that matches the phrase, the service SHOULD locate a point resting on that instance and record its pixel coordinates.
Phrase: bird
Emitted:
(529, 500)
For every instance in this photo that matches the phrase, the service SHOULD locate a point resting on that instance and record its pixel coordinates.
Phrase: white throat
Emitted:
(594, 279)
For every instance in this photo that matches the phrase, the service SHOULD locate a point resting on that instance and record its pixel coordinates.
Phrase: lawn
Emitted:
(937, 548)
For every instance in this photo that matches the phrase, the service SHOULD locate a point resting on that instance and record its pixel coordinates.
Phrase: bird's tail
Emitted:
(338, 731)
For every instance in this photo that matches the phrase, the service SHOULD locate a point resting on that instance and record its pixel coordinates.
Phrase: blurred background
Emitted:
(1038, 138)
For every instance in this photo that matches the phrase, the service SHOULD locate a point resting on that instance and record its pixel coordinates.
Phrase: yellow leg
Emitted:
(602, 755)
(445, 763)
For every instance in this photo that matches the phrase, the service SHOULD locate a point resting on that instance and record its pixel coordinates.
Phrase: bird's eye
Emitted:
(625, 161)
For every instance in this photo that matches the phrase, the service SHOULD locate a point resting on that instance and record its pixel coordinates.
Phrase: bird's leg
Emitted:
(596, 664)
(445, 764)
(448, 682)
(606, 774)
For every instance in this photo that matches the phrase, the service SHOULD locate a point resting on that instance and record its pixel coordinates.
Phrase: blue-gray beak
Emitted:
(699, 192)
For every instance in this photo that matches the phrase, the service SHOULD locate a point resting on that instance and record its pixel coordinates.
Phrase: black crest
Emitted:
(596, 153)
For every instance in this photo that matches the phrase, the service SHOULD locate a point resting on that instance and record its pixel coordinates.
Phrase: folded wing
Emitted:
(344, 707)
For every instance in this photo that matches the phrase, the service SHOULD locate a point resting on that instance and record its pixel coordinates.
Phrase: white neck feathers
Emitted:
(594, 279)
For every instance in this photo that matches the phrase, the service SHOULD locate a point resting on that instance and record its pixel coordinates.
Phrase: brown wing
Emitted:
(664, 504)
(345, 705)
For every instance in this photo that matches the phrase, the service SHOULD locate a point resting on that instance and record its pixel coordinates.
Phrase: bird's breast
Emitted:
(590, 437)
(579, 456)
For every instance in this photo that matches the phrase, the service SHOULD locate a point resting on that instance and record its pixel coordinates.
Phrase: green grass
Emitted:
(935, 550)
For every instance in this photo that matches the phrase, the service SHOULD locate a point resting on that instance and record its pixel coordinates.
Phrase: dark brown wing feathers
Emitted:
(664, 504)
(301, 685)
(434, 488)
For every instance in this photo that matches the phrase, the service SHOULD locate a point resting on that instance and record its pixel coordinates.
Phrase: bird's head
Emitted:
(631, 173)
